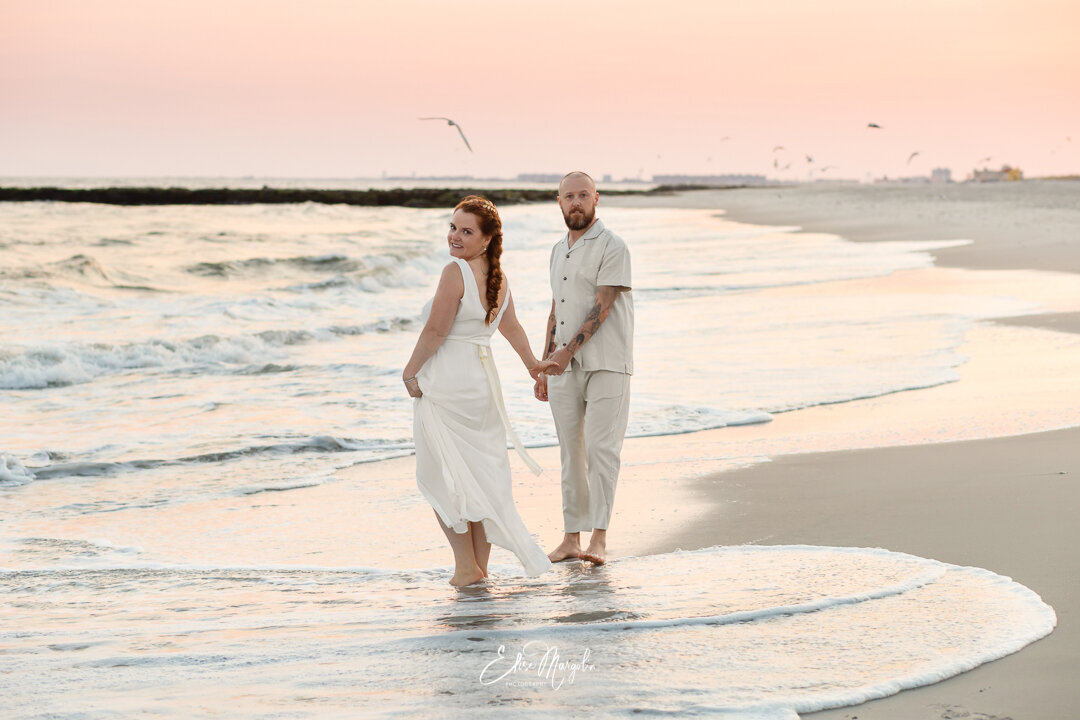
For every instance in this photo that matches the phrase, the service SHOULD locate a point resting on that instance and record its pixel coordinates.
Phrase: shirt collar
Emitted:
(594, 231)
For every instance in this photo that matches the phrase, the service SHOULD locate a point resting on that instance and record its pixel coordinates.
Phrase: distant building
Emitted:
(539, 177)
(941, 175)
(711, 180)
(912, 180)
(1005, 174)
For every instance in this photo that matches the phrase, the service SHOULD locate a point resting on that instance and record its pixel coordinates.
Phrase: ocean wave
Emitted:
(395, 324)
(316, 444)
(12, 472)
(78, 266)
(369, 273)
(681, 419)
(331, 262)
(716, 637)
(50, 366)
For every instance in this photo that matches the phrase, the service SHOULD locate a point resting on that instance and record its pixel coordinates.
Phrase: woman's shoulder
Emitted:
(453, 275)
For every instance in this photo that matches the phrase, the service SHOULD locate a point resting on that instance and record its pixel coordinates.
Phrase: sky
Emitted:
(334, 88)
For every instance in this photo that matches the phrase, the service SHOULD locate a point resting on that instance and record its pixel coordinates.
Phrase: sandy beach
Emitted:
(894, 435)
(1004, 504)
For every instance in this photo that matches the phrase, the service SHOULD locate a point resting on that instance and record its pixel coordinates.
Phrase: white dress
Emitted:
(459, 427)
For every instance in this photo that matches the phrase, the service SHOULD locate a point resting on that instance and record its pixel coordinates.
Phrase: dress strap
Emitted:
(468, 278)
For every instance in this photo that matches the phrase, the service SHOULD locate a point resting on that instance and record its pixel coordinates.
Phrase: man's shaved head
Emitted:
(577, 175)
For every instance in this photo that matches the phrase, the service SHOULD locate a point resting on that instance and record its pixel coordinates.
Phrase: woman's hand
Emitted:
(413, 387)
(540, 389)
(541, 368)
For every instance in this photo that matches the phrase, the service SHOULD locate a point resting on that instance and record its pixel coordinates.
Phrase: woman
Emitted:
(459, 423)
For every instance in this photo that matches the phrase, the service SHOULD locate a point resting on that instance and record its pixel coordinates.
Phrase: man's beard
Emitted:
(587, 217)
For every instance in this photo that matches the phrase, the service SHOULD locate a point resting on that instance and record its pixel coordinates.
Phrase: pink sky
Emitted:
(333, 88)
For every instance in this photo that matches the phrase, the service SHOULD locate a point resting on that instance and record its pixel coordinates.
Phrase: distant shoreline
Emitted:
(413, 197)
(401, 197)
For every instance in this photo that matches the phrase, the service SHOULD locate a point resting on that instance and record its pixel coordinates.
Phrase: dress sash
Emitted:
(483, 347)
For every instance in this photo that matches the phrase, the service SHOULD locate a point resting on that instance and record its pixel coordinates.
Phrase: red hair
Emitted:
(491, 226)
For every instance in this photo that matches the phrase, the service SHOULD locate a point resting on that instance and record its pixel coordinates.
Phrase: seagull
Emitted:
(826, 168)
(809, 159)
(986, 159)
(454, 124)
(873, 125)
(912, 157)
(778, 147)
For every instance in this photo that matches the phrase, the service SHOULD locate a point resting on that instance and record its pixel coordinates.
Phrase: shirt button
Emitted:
(564, 344)
(562, 300)
(561, 322)
(564, 277)
(568, 255)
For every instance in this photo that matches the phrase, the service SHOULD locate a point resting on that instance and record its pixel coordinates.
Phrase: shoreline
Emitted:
(410, 197)
(1000, 503)
(1026, 225)
(400, 197)
(1004, 504)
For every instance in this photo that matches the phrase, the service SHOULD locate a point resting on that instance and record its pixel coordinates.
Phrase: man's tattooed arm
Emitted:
(549, 339)
(605, 299)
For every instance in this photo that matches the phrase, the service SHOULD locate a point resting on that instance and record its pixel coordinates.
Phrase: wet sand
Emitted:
(1006, 504)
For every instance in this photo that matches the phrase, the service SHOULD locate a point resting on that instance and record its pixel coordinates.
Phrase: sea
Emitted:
(173, 376)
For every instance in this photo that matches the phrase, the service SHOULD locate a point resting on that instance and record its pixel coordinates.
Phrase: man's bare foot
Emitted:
(463, 579)
(565, 551)
(594, 556)
(597, 552)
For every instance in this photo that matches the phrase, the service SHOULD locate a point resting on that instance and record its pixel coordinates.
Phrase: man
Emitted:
(590, 337)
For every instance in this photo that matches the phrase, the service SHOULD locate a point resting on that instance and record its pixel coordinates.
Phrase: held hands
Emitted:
(542, 368)
(539, 373)
(540, 388)
(560, 358)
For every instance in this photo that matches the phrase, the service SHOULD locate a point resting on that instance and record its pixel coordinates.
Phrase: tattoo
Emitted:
(589, 326)
(551, 348)
(592, 320)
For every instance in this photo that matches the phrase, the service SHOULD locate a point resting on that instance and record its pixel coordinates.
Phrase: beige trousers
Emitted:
(590, 409)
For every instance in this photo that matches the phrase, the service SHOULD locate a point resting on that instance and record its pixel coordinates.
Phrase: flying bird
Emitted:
(986, 159)
(873, 125)
(454, 124)
(912, 157)
(778, 147)
(726, 137)
(809, 159)
(827, 168)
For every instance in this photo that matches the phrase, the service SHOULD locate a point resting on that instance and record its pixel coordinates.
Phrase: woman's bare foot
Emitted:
(462, 579)
(569, 548)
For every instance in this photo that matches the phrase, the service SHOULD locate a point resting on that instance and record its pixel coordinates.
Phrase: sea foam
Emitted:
(12, 471)
(748, 633)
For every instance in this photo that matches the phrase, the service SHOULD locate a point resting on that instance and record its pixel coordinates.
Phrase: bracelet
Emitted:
(409, 380)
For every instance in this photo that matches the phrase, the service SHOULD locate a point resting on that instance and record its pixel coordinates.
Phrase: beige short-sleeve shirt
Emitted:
(599, 257)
